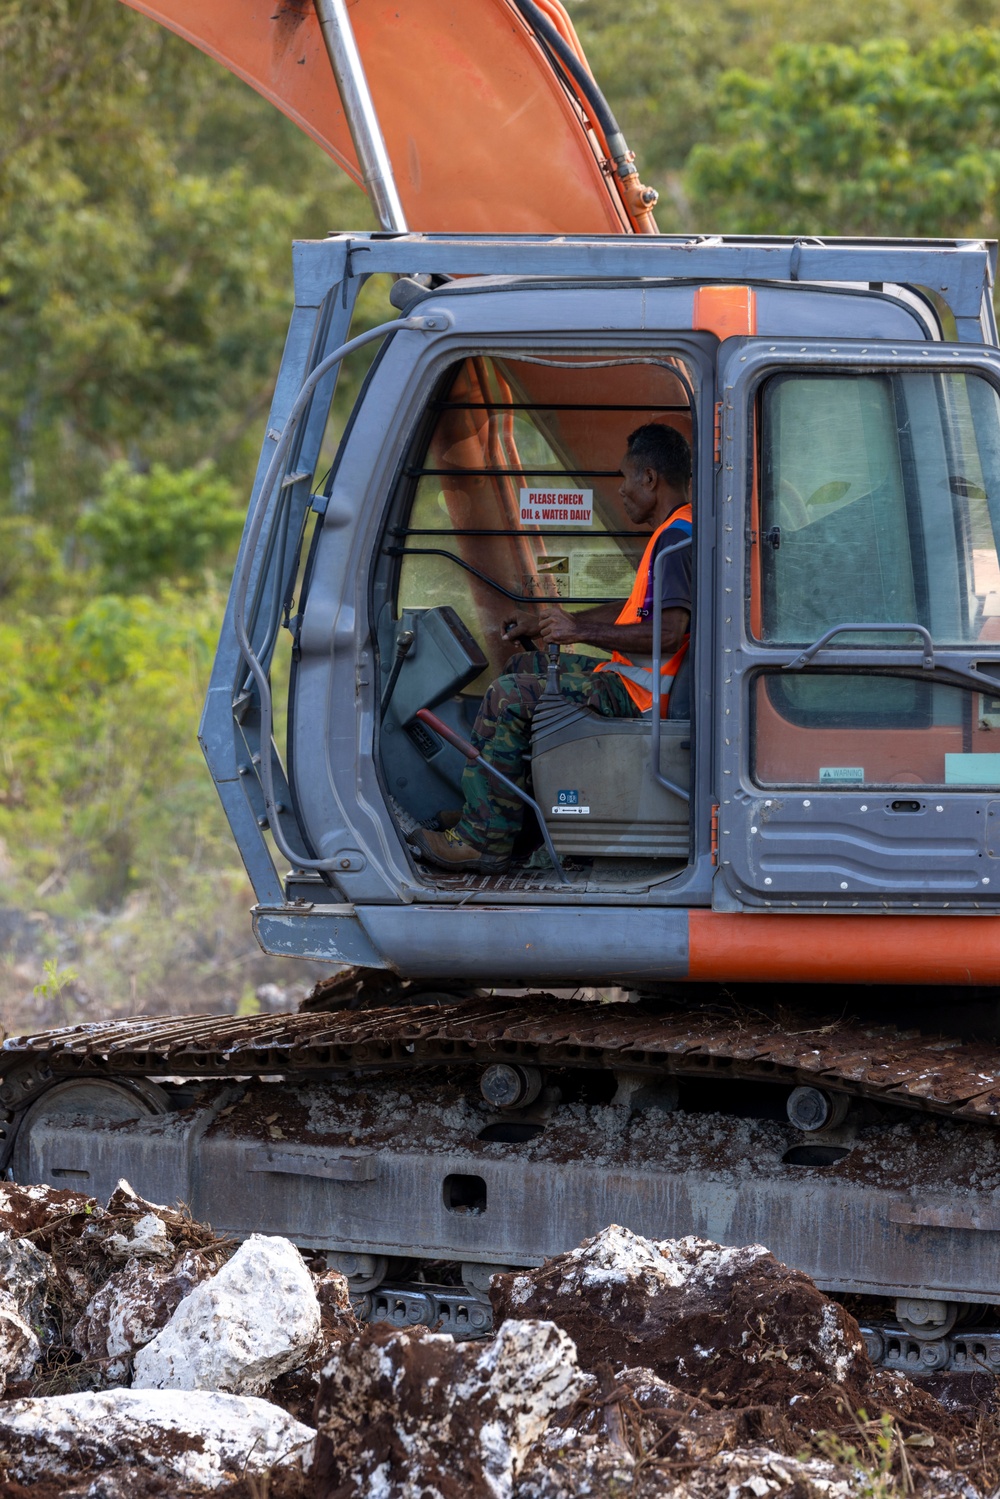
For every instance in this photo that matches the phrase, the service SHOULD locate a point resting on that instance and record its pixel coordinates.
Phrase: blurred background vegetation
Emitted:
(148, 201)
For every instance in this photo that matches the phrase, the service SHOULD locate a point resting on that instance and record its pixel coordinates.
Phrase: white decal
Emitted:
(557, 507)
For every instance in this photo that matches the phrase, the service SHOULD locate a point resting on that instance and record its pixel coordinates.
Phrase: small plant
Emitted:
(55, 981)
(875, 1458)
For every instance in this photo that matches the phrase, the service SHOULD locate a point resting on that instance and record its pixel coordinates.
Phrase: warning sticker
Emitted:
(556, 570)
(557, 507)
(849, 775)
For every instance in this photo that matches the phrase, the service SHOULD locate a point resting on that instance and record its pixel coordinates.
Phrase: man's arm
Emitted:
(555, 626)
(526, 624)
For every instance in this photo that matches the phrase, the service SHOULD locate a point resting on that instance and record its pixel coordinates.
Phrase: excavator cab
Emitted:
(843, 593)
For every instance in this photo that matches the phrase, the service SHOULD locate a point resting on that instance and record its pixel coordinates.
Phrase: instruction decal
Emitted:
(569, 801)
(557, 507)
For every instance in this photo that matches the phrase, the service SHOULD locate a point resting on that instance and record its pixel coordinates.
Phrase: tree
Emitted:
(660, 61)
(144, 287)
(878, 139)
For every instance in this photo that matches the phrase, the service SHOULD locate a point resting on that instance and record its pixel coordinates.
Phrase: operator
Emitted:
(655, 491)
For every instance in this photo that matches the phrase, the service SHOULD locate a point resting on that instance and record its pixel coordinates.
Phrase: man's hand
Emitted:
(556, 627)
(521, 626)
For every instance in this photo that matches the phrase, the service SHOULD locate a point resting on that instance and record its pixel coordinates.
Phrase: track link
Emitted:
(960, 1079)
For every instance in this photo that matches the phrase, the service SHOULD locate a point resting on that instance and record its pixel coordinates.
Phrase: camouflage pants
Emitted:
(491, 819)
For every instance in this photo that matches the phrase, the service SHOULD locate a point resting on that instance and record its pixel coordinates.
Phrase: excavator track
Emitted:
(960, 1079)
(372, 1136)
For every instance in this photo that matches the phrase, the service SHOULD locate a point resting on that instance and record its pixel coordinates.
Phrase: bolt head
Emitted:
(808, 1108)
(502, 1085)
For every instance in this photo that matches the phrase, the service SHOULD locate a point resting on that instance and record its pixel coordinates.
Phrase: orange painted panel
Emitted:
(481, 134)
(787, 949)
(789, 754)
(726, 311)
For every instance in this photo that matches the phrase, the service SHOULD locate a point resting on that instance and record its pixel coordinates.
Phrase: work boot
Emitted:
(448, 819)
(448, 851)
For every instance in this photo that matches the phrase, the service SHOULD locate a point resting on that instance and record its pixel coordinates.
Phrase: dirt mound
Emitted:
(732, 1326)
(673, 1370)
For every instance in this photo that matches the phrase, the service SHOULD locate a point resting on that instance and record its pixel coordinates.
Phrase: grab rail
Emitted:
(654, 748)
(872, 628)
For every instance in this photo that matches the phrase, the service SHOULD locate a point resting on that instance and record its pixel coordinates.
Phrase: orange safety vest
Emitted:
(638, 678)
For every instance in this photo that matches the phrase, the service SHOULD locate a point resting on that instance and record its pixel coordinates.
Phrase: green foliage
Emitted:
(55, 981)
(148, 201)
(101, 778)
(144, 285)
(874, 140)
(144, 528)
(659, 63)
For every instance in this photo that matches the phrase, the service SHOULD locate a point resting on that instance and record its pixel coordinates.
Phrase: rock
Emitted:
(745, 1473)
(255, 1319)
(25, 1275)
(407, 1414)
(148, 1240)
(694, 1313)
(132, 1306)
(199, 1438)
(36, 1210)
(20, 1348)
(298, 1390)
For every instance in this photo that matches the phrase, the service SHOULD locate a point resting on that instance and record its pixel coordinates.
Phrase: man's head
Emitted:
(656, 473)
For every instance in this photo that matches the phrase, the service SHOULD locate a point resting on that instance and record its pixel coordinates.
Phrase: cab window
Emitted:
(512, 493)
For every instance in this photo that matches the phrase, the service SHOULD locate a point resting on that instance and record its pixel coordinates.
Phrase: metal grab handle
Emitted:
(881, 629)
(430, 322)
(471, 753)
(654, 748)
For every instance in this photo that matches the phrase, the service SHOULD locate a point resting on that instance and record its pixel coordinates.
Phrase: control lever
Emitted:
(551, 674)
(404, 645)
(471, 753)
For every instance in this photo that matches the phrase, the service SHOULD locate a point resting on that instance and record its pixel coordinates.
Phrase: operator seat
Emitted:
(593, 779)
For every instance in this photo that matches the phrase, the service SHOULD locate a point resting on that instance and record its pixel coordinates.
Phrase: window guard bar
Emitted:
(513, 473)
(516, 598)
(870, 627)
(530, 531)
(654, 748)
(548, 406)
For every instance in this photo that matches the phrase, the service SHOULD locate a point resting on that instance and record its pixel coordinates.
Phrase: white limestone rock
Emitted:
(25, 1271)
(201, 1439)
(402, 1413)
(258, 1317)
(132, 1306)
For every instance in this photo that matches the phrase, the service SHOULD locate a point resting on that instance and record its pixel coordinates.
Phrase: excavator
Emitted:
(740, 979)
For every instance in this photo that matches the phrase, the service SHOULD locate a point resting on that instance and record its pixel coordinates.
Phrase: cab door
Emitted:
(858, 588)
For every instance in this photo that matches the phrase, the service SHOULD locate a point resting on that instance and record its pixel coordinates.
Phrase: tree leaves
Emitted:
(880, 140)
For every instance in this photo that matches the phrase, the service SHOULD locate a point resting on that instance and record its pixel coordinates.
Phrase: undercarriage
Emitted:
(423, 1144)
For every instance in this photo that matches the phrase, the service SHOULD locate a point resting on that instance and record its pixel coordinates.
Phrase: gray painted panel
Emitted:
(869, 1234)
(842, 844)
(532, 944)
(329, 934)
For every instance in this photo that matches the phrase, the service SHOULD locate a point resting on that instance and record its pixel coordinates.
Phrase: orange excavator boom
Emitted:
(454, 115)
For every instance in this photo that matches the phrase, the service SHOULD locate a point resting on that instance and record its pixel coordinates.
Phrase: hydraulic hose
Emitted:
(639, 200)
